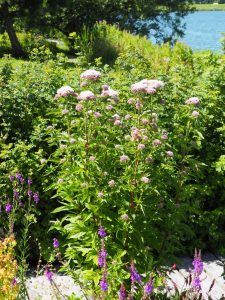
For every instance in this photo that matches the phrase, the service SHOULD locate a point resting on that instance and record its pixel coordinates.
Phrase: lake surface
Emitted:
(204, 30)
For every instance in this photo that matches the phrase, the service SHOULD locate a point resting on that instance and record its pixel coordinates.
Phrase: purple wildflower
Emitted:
(36, 197)
(16, 194)
(122, 292)
(55, 243)
(29, 181)
(18, 175)
(102, 256)
(8, 208)
(197, 262)
(29, 193)
(20, 178)
(196, 283)
(135, 277)
(14, 281)
(48, 274)
(103, 283)
(149, 286)
(101, 232)
(11, 177)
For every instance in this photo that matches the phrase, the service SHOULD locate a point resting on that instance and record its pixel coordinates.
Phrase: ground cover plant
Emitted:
(122, 160)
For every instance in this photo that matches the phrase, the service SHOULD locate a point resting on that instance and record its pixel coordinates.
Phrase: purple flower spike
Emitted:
(149, 286)
(48, 274)
(101, 232)
(103, 283)
(11, 177)
(16, 194)
(196, 283)
(14, 281)
(29, 193)
(18, 175)
(197, 262)
(20, 178)
(135, 277)
(102, 256)
(36, 197)
(29, 181)
(8, 208)
(55, 243)
(122, 292)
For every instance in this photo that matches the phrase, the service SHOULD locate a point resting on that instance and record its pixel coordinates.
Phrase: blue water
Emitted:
(204, 30)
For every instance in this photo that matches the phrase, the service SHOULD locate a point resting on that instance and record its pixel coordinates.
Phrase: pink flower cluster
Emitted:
(92, 75)
(192, 101)
(108, 92)
(64, 92)
(138, 134)
(86, 95)
(147, 86)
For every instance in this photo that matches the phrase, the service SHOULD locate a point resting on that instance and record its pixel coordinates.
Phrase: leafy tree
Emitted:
(149, 17)
(20, 11)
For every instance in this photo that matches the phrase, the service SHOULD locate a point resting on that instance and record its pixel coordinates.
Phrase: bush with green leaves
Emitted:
(184, 202)
(129, 161)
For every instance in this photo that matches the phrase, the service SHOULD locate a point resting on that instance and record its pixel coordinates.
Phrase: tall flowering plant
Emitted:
(118, 167)
(20, 205)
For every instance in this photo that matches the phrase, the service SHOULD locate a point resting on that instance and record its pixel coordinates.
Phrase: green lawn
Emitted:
(210, 6)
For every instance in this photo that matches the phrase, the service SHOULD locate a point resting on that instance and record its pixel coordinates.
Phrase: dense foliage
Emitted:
(145, 17)
(148, 167)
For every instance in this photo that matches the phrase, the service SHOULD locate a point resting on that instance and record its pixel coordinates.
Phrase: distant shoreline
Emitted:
(209, 7)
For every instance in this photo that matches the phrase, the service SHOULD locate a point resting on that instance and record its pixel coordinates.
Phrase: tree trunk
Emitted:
(16, 47)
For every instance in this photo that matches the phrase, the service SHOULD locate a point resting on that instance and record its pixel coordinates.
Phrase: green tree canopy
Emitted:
(149, 17)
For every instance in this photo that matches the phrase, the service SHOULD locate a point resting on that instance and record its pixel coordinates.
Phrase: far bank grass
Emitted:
(210, 7)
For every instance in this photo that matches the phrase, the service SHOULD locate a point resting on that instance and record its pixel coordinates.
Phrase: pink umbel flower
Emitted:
(164, 137)
(109, 107)
(154, 84)
(86, 95)
(64, 92)
(92, 75)
(124, 158)
(128, 117)
(138, 105)
(149, 159)
(111, 183)
(130, 101)
(147, 86)
(100, 195)
(144, 121)
(150, 90)
(141, 146)
(156, 142)
(145, 179)
(97, 114)
(145, 138)
(79, 107)
(125, 217)
(139, 87)
(110, 93)
(117, 122)
(169, 153)
(136, 134)
(72, 141)
(192, 101)
(65, 111)
(195, 114)
(92, 158)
